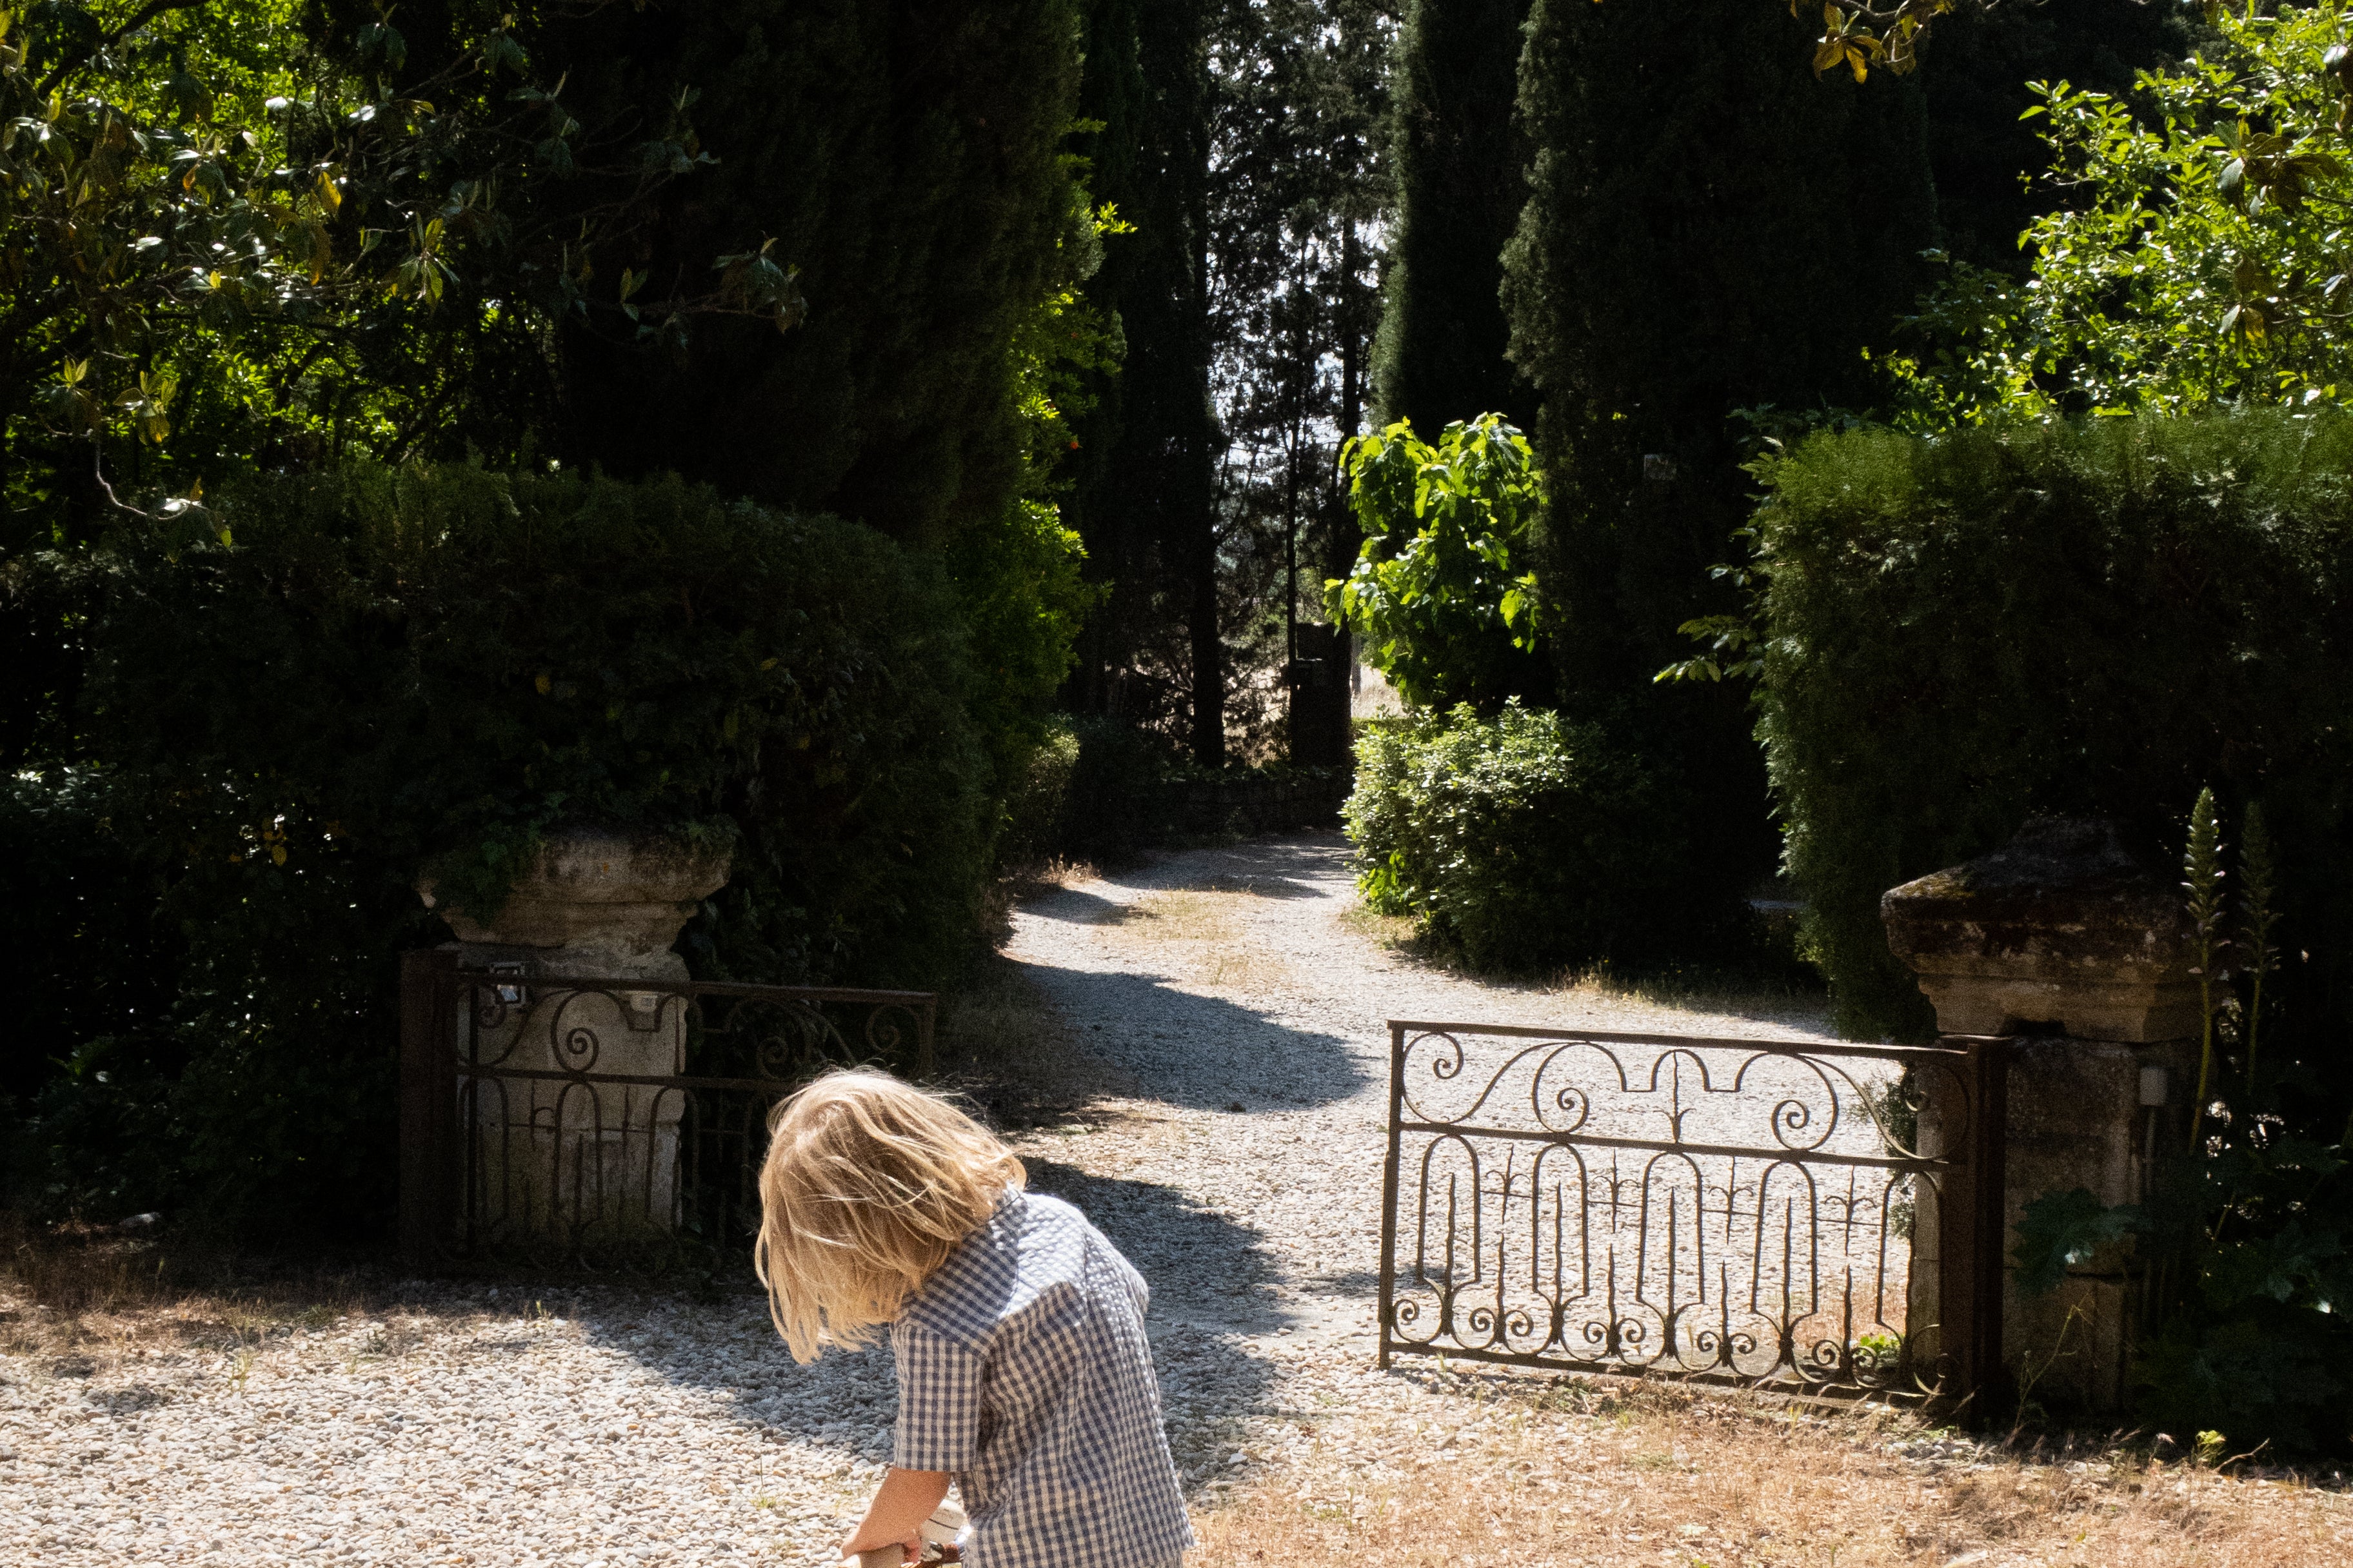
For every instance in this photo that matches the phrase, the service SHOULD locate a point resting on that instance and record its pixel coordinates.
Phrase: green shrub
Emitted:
(330, 682)
(1038, 797)
(1522, 841)
(2090, 619)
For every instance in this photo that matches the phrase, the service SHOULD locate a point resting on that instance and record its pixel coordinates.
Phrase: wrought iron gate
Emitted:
(610, 1122)
(1821, 1216)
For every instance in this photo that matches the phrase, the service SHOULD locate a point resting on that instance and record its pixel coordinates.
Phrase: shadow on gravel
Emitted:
(1204, 1267)
(1074, 906)
(1254, 884)
(1201, 1052)
(1278, 867)
(1212, 1282)
(845, 1400)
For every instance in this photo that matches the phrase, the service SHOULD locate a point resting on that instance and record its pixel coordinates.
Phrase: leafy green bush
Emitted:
(1441, 590)
(1039, 797)
(332, 682)
(2082, 619)
(437, 665)
(1521, 841)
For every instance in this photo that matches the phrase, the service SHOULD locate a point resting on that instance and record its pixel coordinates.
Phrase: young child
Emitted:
(1024, 1373)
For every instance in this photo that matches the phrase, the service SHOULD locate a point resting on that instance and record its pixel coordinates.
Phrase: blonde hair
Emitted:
(869, 1184)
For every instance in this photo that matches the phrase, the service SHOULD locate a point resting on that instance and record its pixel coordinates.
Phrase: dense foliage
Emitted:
(1522, 841)
(365, 675)
(1440, 593)
(273, 249)
(1248, 297)
(1299, 193)
(2199, 258)
(2090, 619)
(922, 193)
(1682, 256)
(1460, 163)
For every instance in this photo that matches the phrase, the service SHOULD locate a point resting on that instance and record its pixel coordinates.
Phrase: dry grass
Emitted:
(1564, 1474)
(92, 1314)
(1794, 996)
(68, 1269)
(1396, 933)
(1198, 937)
(1027, 880)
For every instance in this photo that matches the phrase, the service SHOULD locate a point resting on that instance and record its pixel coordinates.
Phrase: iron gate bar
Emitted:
(1972, 1277)
(1954, 1191)
(649, 1080)
(516, 1134)
(1726, 1042)
(1742, 1150)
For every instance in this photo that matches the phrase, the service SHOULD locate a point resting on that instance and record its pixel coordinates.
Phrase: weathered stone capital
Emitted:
(2062, 926)
(599, 898)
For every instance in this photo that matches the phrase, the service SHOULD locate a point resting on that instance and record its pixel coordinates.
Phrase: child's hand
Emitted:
(865, 1539)
(896, 1516)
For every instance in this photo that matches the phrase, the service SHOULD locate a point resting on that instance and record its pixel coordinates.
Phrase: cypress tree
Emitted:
(1710, 229)
(1461, 182)
(1142, 503)
(906, 157)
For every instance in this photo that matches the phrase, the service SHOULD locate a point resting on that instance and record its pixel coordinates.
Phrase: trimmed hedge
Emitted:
(1523, 842)
(2096, 619)
(299, 700)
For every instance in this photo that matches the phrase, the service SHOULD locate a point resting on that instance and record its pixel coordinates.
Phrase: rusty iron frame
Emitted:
(511, 1132)
(1469, 1298)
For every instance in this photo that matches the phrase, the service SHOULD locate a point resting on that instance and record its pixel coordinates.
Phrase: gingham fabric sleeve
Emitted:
(939, 1400)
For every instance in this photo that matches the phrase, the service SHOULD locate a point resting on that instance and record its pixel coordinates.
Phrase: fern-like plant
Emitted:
(2201, 864)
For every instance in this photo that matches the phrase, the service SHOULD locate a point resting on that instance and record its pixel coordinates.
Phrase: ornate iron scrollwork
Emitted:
(619, 1122)
(1731, 1210)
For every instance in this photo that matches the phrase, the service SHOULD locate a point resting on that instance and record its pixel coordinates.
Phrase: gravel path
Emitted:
(1235, 1015)
(1246, 1005)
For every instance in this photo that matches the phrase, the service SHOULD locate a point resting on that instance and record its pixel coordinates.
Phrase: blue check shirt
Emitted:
(1025, 1372)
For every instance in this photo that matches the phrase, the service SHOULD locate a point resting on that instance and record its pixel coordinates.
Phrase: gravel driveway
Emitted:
(1232, 1013)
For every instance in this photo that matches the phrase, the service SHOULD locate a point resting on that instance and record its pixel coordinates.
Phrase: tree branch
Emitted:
(139, 18)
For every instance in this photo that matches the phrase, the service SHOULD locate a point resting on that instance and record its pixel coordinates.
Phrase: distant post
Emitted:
(1318, 678)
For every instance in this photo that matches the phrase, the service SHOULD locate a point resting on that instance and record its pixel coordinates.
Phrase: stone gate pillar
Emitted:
(562, 1159)
(2081, 953)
